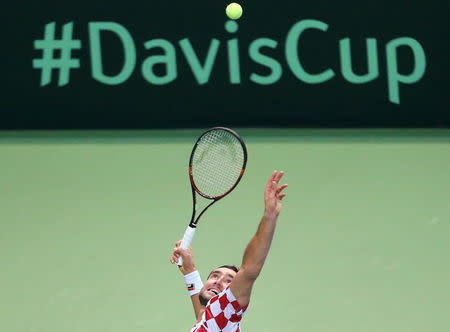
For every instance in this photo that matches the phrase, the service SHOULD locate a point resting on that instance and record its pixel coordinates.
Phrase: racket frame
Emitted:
(190, 230)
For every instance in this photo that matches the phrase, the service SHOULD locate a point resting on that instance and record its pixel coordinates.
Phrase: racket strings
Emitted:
(217, 163)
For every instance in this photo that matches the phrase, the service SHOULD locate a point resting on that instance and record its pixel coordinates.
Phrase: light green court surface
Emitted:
(88, 221)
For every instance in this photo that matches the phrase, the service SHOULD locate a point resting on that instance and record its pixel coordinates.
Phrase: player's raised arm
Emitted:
(258, 247)
(191, 276)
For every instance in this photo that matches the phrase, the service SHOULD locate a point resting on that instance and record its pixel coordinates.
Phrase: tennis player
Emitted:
(221, 302)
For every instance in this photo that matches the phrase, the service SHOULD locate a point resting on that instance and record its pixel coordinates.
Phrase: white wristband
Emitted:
(193, 282)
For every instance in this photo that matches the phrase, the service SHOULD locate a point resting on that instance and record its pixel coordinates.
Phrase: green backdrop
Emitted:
(88, 221)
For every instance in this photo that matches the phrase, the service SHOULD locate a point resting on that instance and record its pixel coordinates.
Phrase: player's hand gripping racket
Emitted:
(216, 166)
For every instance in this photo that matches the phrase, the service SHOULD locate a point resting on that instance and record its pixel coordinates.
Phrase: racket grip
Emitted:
(186, 242)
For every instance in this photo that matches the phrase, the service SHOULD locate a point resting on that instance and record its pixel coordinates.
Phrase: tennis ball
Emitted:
(234, 10)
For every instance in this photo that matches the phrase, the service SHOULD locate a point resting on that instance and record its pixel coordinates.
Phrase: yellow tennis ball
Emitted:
(234, 10)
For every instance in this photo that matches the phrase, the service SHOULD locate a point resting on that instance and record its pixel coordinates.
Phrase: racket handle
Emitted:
(186, 242)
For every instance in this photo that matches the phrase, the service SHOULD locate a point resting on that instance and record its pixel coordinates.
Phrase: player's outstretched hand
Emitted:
(273, 195)
(188, 259)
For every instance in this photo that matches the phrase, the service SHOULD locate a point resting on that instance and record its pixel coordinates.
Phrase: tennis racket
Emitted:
(216, 166)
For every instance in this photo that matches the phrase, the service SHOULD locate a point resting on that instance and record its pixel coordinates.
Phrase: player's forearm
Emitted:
(193, 282)
(256, 252)
(196, 304)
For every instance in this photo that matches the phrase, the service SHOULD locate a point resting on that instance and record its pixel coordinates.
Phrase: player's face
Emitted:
(218, 280)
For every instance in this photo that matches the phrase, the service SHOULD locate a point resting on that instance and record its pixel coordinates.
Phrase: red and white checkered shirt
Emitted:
(223, 314)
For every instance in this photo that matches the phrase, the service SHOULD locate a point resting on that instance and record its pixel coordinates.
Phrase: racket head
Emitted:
(217, 162)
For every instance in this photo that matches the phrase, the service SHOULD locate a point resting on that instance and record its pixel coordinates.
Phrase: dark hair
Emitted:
(231, 267)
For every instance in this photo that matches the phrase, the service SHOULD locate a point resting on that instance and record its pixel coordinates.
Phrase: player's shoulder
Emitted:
(227, 298)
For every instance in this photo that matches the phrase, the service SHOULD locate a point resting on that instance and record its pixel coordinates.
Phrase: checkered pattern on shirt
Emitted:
(223, 314)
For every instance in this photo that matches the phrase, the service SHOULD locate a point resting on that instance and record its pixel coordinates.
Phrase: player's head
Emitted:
(217, 281)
